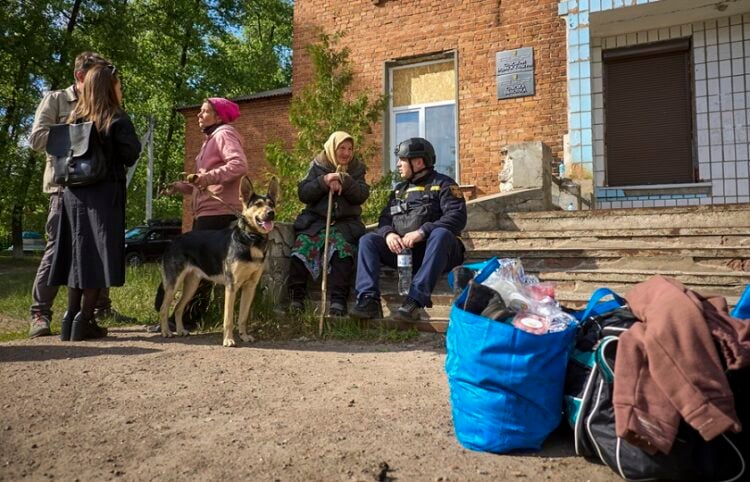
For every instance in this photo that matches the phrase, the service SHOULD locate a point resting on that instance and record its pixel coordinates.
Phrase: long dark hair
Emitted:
(98, 101)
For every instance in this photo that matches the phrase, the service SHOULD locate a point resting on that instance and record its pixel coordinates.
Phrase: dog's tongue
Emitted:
(267, 225)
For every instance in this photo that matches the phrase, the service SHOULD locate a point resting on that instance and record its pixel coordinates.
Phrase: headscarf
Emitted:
(333, 142)
(226, 110)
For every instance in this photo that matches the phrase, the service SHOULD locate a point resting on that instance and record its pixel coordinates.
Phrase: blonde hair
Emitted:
(98, 102)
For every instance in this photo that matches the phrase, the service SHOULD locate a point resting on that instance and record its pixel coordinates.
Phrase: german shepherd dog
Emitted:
(233, 257)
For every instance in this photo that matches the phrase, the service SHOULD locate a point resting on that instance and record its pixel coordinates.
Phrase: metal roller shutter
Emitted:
(648, 114)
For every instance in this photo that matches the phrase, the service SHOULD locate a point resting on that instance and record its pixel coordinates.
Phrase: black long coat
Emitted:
(346, 215)
(90, 248)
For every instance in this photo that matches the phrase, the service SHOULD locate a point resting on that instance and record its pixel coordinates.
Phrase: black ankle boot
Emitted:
(78, 328)
(66, 325)
(93, 331)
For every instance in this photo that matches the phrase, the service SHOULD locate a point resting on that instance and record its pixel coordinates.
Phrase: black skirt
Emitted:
(90, 249)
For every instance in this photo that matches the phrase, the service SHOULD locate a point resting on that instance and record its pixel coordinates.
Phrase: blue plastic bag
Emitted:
(742, 309)
(506, 385)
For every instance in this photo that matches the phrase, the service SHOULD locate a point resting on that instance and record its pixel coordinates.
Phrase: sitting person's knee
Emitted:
(369, 240)
(440, 234)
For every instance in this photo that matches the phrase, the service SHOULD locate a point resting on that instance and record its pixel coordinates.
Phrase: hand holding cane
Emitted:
(324, 282)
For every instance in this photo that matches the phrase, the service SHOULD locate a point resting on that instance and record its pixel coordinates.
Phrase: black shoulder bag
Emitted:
(77, 155)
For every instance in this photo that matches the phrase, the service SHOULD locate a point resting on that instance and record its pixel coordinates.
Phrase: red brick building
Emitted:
(264, 118)
(474, 76)
(437, 60)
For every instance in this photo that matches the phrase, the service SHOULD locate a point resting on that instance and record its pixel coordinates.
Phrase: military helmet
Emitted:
(416, 147)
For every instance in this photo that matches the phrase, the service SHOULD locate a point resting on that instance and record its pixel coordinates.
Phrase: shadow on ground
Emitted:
(25, 353)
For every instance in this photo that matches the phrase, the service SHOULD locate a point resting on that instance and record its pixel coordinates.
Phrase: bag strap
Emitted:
(596, 297)
(607, 371)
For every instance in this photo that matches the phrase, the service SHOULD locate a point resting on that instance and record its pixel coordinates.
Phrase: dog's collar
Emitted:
(248, 237)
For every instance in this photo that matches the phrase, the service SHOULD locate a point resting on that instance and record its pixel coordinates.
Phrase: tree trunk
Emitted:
(57, 83)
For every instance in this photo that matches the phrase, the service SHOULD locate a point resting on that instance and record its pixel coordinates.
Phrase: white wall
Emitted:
(721, 59)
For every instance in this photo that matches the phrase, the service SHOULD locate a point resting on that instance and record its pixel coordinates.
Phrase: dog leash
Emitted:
(183, 178)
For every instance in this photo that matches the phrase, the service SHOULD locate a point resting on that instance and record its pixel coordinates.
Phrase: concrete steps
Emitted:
(705, 247)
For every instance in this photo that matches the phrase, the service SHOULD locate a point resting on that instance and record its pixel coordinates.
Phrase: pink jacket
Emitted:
(668, 367)
(220, 165)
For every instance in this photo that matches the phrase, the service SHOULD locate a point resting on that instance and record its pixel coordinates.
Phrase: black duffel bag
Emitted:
(588, 405)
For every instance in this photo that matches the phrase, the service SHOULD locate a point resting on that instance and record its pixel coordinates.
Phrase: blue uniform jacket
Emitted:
(448, 204)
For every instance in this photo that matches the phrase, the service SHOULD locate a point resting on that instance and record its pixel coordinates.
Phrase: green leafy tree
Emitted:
(169, 53)
(325, 106)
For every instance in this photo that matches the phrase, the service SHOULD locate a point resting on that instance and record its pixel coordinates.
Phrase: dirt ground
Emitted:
(136, 407)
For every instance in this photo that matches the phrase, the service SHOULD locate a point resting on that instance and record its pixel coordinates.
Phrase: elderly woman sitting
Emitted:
(334, 169)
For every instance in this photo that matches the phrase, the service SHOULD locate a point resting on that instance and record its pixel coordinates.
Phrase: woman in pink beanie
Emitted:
(219, 167)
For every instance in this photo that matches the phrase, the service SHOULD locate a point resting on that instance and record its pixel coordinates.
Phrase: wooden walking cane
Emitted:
(324, 282)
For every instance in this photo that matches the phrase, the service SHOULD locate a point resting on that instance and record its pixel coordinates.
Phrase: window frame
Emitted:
(390, 141)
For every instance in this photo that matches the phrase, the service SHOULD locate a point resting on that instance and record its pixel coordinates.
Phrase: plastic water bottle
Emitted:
(561, 171)
(570, 207)
(404, 271)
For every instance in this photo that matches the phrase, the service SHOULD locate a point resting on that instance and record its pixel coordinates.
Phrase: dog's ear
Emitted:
(273, 190)
(246, 190)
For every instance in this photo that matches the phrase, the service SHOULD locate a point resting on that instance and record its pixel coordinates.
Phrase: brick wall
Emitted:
(476, 30)
(262, 120)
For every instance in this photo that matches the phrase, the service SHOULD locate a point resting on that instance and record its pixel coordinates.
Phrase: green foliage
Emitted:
(169, 54)
(323, 106)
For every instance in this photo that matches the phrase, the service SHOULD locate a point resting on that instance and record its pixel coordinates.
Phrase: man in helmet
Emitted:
(425, 213)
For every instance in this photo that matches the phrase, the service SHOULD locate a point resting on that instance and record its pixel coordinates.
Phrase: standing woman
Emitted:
(334, 169)
(90, 250)
(220, 165)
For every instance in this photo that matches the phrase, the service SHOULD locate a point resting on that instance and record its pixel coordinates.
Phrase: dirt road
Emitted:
(137, 407)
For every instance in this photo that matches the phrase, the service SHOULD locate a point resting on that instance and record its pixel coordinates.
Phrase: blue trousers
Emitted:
(438, 254)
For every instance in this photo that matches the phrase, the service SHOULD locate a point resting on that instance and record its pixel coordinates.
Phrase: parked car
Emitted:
(33, 241)
(147, 243)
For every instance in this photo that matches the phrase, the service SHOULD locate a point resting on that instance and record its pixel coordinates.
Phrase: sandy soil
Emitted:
(137, 407)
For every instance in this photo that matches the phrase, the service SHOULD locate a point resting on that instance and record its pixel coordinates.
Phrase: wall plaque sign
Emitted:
(514, 70)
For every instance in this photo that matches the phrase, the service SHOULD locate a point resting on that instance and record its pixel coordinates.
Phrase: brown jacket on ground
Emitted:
(668, 367)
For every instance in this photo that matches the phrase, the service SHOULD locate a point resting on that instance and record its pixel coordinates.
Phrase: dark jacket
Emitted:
(448, 207)
(121, 147)
(346, 215)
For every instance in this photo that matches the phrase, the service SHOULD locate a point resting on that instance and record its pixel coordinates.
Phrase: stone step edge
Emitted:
(608, 233)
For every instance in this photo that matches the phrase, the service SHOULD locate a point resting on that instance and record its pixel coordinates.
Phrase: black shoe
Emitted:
(367, 308)
(78, 327)
(337, 309)
(66, 325)
(93, 331)
(408, 312)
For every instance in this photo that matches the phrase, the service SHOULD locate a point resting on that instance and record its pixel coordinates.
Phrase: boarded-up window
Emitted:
(648, 114)
(424, 84)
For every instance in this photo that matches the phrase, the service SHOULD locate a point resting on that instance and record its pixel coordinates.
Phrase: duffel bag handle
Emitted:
(596, 297)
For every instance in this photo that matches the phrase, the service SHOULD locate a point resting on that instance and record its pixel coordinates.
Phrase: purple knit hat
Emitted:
(226, 110)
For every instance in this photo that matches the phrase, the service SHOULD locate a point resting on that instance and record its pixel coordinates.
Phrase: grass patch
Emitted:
(136, 299)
